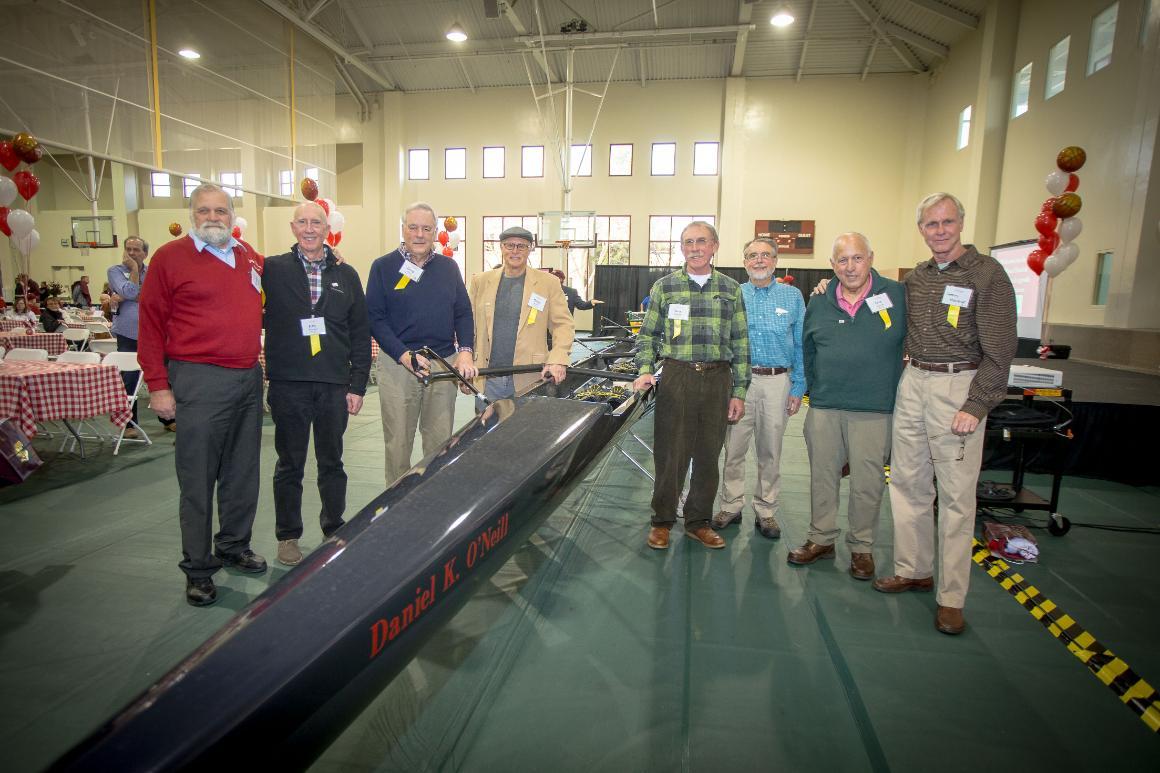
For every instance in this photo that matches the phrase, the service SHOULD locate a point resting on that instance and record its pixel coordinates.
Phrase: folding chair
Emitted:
(102, 345)
(77, 337)
(126, 362)
(31, 355)
(80, 358)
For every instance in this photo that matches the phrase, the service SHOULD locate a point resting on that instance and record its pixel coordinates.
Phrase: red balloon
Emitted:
(26, 184)
(337, 238)
(331, 238)
(8, 156)
(1046, 222)
(788, 279)
(309, 189)
(237, 232)
(444, 238)
(4, 229)
(1048, 242)
(30, 154)
(449, 252)
(1035, 261)
(321, 202)
(1072, 183)
(1048, 206)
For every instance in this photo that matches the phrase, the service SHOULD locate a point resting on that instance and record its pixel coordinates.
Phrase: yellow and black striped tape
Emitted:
(1133, 691)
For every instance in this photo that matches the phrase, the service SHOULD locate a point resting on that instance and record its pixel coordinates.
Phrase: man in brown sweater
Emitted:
(960, 338)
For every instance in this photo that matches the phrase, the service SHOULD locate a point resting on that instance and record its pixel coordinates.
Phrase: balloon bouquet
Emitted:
(334, 218)
(1057, 224)
(18, 224)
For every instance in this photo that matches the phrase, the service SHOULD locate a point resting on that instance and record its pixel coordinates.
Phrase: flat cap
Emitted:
(519, 233)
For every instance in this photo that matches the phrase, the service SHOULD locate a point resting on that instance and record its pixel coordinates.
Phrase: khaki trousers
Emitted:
(764, 425)
(923, 449)
(833, 439)
(407, 405)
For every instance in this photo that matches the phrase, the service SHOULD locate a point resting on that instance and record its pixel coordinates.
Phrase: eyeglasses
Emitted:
(513, 246)
(219, 211)
(699, 242)
(755, 255)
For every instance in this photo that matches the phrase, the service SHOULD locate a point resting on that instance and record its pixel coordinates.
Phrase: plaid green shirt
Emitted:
(715, 330)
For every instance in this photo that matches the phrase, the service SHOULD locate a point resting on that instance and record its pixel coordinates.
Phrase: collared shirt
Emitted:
(224, 254)
(715, 330)
(852, 308)
(983, 331)
(125, 318)
(775, 314)
(313, 274)
(411, 258)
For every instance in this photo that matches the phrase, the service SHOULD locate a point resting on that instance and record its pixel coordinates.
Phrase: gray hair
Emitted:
(419, 205)
(136, 238)
(850, 236)
(764, 240)
(703, 224)
(202, 190)
(938, 198)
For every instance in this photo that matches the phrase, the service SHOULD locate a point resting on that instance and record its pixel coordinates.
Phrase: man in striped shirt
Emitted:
(695, 328)
(960, 338)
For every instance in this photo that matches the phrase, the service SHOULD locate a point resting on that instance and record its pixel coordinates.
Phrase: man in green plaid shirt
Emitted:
(695, 329)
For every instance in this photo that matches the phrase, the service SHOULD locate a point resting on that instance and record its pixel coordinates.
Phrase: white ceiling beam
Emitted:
(332, 44)
(918, 41)
(961, 18)
(587, 37)
(744, 13)
(521, 29)
(806, 42)
(868, 13)
(314, 11)
(642, 70)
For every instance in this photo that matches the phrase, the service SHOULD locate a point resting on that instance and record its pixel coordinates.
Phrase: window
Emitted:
(964, 128)
(455, 164)
(664, 158)
(286, 182)
(705, 157)
(1056, 68)
(664, 237)
(494, 225)
(188, 184)
(1103, 38)
(619, 160)
(612, 239)
(159, 182)
(1103, 278)
(493, 162)
(532, 161)
(418, 164)
(232, 184)
(1021, 92)
(581, 161)
(311, 173)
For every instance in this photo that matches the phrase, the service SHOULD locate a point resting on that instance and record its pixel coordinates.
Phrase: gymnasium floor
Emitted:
(588, 651)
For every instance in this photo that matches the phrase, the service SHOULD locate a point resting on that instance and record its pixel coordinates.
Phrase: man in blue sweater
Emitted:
(852, 347)
(416, 298)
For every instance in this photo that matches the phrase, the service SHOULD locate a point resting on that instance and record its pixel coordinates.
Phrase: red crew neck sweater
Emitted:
(194, 307)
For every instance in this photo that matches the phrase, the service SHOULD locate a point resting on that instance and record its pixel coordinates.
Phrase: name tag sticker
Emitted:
(537, 301)
(313, 326)
(256, 279)
(957, 296)
(678, 311)
(879, 302)
(411, 271)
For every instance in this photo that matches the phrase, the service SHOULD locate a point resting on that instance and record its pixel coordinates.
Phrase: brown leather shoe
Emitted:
(949, 620)
(809, 552)
(898, 584)
(706, 537)
(658, 537)
(862, 566)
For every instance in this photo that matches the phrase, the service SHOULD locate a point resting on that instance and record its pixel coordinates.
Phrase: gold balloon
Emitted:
(175, 229)
(450, 224)
(24, 143)
(1071, 158)
(1067, 205)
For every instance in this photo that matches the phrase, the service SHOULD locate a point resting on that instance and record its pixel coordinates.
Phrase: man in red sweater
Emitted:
(199, 340)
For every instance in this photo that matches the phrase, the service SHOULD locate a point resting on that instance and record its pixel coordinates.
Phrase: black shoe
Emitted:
(200, 592)
(247, 561)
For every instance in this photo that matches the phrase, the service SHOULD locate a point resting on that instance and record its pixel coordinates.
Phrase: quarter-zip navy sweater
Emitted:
(435, 311)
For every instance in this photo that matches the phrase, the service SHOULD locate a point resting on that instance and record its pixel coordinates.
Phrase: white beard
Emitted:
(217, 235)
(760, 276)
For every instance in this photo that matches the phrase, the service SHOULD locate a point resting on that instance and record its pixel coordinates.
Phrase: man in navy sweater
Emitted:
(318, 361)
(416, 298)
(852, 347)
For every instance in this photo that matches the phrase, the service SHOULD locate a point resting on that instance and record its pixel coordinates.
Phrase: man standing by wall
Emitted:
(514, 310)
(695, 328)
(416, 298)
(960, 341)
(125, 281)
(203, 367)
(318, 360)
(774, 313)
(852, 349)
(80, 293)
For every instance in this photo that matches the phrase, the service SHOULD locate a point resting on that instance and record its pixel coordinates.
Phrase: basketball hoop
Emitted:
(563, 243)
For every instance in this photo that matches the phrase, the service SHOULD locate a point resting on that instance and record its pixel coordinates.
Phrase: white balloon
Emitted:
(27, 243)
(1068, 253)
(330, 206)
(337, 221)
(20, 222)
(1056, 182)
(241, 223)
(453, 240)
(1069, 228)
(7, 191)
(1054, 266)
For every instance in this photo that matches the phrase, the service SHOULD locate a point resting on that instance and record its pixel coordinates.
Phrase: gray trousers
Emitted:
(219, 411)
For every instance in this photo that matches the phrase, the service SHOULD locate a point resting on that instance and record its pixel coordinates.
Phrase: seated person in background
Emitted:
(19, 311)
(574, 299)
(52, 318)
(107, 302)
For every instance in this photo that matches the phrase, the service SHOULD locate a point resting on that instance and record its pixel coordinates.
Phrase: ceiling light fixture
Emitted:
(456, 33)
(189, 53)
(783, 18)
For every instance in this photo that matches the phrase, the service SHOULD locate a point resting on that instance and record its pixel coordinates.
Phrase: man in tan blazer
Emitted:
(514, 310)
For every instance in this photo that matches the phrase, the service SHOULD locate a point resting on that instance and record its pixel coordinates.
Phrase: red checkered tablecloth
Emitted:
(53, 342)
(15, 324)
(47, 391)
